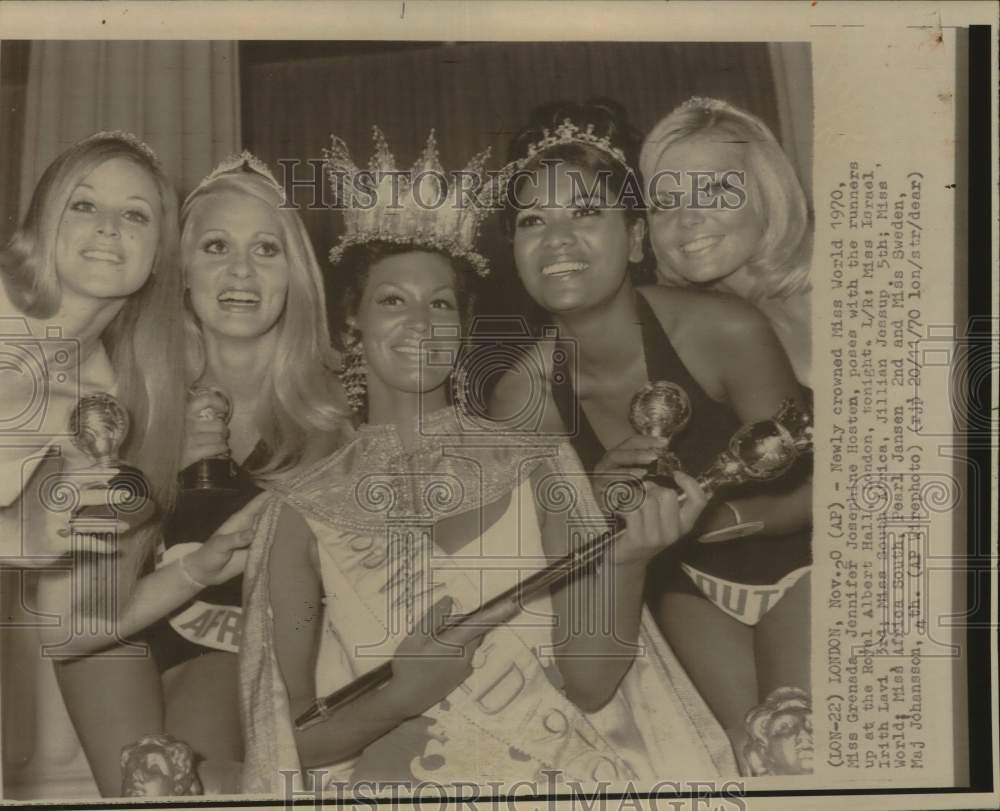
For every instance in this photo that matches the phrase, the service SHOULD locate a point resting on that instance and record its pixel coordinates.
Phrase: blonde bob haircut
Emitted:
(780, 265)
(302, 413)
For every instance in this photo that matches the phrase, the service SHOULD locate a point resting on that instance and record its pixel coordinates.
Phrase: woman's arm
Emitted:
(100, 621)
(758, 377)
(730, 348)
(296, 593)
(598, 613)
(424, 675)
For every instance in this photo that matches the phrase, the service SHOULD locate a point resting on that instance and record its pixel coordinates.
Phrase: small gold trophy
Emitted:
(99, 425)
(779, 734)
(661, 409)
(216, 473)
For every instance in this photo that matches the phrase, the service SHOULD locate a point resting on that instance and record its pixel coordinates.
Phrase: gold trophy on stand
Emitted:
(661, 409)
(99, 425)
(761, 451)
(216, 473)
(757, 452)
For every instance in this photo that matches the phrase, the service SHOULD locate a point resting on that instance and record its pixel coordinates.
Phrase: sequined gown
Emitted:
(392, 535)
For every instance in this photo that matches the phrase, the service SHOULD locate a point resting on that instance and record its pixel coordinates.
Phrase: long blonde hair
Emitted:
(780, 265)
(302, 400)
(144, 341)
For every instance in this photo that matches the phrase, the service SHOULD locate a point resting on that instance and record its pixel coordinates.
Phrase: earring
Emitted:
(355, 377)
(459, 382)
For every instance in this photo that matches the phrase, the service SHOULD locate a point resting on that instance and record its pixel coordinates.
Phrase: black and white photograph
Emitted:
(399, 418)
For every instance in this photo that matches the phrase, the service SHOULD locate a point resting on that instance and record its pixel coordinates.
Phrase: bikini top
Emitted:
(697, 445)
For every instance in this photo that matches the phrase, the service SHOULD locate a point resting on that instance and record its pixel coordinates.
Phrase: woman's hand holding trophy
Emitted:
(758, 451)
(658, 411)
(207, 463)
(105, 500)
(100, 425)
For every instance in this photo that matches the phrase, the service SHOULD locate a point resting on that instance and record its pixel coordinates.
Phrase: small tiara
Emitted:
(236, 162)
(706, 103)
(130, 138)
(569, 133)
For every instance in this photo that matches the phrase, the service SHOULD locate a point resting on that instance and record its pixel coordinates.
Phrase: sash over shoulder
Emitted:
(656, 727)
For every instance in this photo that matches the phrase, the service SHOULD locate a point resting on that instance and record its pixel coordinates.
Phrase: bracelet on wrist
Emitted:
(738, 519)
(186, 574)
(740, 529)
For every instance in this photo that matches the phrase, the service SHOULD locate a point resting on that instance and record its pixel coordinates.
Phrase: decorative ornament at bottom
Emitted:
(159, 766)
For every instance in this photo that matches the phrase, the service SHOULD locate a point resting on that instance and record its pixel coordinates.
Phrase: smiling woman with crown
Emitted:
(735, 612)
(360, 560)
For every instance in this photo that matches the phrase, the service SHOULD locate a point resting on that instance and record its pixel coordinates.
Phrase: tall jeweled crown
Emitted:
(423, 206)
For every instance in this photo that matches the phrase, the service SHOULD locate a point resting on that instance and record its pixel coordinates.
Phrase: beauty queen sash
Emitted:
(508, 721)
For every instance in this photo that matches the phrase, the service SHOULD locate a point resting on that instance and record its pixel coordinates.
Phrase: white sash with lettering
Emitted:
(206, 624)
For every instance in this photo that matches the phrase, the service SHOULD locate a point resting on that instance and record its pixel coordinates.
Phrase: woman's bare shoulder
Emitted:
(705, 315)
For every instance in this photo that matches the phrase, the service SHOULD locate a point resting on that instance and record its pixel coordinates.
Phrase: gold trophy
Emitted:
(216, 473)
(99, 425)
(762, 450)
(661, 409)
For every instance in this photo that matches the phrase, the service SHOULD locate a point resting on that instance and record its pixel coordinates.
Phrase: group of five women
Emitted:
(642, 668)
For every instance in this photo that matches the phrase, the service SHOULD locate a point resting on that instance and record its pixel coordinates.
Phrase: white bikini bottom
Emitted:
(746, 603)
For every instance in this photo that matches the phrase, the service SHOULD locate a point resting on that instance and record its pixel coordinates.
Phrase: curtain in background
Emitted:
(792, 63)
(475, 95)
(14, 58)
(182, 98)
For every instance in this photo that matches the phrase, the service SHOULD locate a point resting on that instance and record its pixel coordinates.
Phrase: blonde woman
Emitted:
(748, 233)
(256, 329)
(90, 300)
